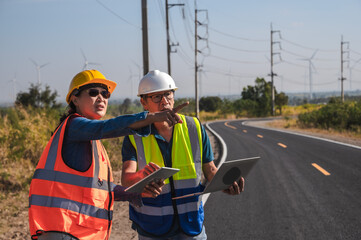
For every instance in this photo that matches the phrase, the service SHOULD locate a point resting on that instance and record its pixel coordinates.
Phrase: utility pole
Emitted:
(145, 37)
(169, 46)
(196, 51)
(342, 61)
(272, 74)
(195, 59)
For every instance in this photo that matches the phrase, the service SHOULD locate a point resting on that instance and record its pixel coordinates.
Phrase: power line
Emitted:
(309, 48)
(241, 38)
(237, 49)
(187, 28)
(117, 15)
(223, 73)
(234, 60)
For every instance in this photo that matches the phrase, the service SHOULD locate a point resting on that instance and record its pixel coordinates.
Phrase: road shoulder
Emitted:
(276, 124)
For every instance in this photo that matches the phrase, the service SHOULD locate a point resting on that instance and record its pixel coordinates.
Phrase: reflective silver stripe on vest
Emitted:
(96, 159)
(195, 145)
(186, 183)
(193, 137)
(68, 178)
(155, 211)
(189, 207)
(142, 162)
(89, 210)
(168, 210)
(53, 150)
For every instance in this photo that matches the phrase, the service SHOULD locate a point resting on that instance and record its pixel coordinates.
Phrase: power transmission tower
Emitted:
(196, 51)
(342, 61)
(272, 74)
(169, 46)
(145, 37)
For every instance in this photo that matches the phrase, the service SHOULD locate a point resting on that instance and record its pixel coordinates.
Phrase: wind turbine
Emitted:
(13, 80)
(86, 63)
(130, 79)
(311, 67)
(38, 67)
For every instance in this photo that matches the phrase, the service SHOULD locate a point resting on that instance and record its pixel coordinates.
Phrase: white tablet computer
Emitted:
(227, 173)
(162, 173)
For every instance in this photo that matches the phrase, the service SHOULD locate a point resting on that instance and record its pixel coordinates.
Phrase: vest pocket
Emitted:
(93, 212)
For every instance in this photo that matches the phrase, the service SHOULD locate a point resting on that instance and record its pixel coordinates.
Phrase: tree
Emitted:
(261, 95)
(210, 104)
(38, 98)
(125, 107)
(281, 99)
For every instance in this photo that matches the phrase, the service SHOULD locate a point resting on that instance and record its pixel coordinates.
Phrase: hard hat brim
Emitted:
(158, 90)
(110, 85)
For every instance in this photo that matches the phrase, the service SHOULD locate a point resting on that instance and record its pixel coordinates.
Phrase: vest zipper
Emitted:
(174, 203)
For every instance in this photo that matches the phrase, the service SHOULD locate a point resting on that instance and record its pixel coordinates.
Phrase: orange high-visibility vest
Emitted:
(66, 200)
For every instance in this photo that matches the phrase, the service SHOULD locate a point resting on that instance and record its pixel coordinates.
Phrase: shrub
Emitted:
(336, 115)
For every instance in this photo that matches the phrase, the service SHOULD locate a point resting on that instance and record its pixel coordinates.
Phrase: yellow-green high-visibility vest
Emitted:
(157, 215)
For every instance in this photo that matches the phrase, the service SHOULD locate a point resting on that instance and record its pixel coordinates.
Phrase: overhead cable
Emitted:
(355, 52)
(234, 60)
(309, 48)
(241, 38)
(224, 73)
(117, 15)
(237, 49)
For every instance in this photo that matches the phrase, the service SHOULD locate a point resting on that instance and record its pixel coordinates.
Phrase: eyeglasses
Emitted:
(156, 98)
(95, 92)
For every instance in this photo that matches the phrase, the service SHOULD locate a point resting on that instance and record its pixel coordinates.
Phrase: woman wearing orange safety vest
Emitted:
(72, 190)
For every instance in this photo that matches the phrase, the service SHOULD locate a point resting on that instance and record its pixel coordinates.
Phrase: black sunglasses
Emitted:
(95, 92)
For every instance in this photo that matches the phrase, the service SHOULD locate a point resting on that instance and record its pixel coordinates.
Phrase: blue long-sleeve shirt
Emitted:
(77, 150)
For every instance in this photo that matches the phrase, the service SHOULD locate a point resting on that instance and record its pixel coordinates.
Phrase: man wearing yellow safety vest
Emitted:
(185, 146)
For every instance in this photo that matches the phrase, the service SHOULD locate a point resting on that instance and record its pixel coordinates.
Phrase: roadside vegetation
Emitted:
(26, 128)
(335, 115)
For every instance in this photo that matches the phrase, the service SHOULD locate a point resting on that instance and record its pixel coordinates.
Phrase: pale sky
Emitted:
(237, 50)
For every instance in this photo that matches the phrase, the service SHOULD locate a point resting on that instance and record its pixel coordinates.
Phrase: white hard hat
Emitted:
(156, 81)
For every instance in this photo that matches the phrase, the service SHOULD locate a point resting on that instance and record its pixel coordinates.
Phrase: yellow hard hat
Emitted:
(89, 77)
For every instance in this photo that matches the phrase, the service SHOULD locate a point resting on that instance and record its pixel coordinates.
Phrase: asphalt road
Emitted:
(301, 188)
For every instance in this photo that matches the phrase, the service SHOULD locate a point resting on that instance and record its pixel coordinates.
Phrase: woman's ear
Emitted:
(74, 99)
